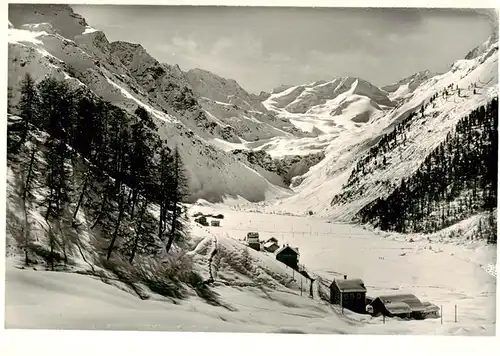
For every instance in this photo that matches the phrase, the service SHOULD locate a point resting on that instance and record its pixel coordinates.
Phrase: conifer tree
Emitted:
(178, 193)
(28, 106)
(58, 184)
(27, 184)
(164, 196)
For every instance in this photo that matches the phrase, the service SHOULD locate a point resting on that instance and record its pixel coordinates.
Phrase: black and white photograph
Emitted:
(251, 169)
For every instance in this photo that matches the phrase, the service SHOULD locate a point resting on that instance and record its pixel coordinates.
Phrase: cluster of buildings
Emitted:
(351, 294)
(348, 293)
(202, 220)
(287, 254)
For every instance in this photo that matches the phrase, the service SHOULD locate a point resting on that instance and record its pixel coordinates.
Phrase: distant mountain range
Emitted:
(321, 130)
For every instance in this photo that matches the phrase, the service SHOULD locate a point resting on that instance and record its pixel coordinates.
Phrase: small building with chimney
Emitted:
(349, 293)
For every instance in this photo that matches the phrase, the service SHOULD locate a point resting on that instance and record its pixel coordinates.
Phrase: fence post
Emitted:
(455, 313)
(441, 315)
(300, 286)
(384, 318)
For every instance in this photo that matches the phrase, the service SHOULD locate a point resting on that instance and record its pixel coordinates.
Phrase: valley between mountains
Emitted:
(396, 185)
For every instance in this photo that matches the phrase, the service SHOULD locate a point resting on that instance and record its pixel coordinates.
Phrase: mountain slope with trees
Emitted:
(127, 76)
(457, 180)
(370, 162)
(111, 196)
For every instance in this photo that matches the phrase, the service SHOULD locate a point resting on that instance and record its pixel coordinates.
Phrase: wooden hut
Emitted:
(350, 293)
(289, 256)
(404, 306)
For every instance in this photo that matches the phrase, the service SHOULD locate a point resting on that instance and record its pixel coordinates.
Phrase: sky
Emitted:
(263, 48)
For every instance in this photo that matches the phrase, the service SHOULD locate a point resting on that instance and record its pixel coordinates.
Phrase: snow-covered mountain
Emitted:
(51, 40)
(408, 84)
(470, 83)
(212, 118)
(346, 96)
(318, 138)
(228, 103)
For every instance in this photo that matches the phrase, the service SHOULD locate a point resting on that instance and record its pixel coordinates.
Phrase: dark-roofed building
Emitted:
(253, 240)
(350, 293)
(271, 246)
(202, 220)
(273, 239)
(403, 306)
(289, 256)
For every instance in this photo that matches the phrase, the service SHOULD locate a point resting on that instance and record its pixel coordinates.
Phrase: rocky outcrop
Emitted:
(286, 167)
(61, 17)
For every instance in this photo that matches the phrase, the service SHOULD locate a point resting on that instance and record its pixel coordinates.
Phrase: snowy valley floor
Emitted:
(441, 272)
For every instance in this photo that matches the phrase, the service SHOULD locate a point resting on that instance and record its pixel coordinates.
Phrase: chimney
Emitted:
(345, 276)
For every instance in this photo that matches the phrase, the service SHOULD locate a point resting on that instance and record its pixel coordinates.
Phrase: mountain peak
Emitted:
(321, 96)
(408, 84)
(127, 45)
(215, 87)
(483, 47)
(63, 19)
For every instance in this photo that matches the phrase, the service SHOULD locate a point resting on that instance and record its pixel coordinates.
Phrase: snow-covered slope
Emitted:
(63, 45)
(257, 293)
(325, 180)
(216, 88)
(483, 47)
(327, 98)
(225, 100)
(254, 292)
(407, 85)
(327, 110)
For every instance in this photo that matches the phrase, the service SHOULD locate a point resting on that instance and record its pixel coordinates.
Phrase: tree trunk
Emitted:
(49, 209)
(160, 223)
(117, 225)
(138, 232)
(172, 228)
(174, 213)
(51, 241)
(25, 233)
(26, 187)
(134, 200)
(80, 199)
(129, 198)
(63, 242)
(101, 211)
(24, 132)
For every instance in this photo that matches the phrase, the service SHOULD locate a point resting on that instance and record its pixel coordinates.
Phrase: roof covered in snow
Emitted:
(411, 300)
(270, 243)
(350, 285)
(398, 308)
(283, 248)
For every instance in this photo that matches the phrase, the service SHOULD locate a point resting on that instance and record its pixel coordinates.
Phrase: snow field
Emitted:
(438, 271)
(258, 297)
